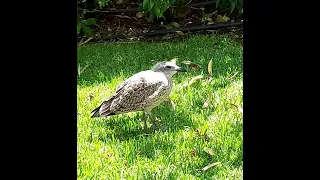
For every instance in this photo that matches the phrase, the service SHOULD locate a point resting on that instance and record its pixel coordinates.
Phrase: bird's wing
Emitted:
(120, 86)
(134, 93)
(130, 80)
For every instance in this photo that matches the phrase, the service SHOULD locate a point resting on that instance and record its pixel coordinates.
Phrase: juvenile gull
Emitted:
(141, 92)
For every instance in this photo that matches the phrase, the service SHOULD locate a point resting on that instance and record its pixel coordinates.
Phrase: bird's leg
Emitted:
(144, 119)
(152, 118)
(169, 101)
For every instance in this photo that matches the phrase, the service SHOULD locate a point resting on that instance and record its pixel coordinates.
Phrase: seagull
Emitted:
(141, 92)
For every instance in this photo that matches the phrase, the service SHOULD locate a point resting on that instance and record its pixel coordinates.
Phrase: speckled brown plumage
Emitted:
(141, 92)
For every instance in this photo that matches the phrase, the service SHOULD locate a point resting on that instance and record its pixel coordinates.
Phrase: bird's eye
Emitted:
(167, 67)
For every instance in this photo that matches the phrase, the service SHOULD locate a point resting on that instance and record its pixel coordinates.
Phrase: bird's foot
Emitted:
(157, 125)
(171, 103)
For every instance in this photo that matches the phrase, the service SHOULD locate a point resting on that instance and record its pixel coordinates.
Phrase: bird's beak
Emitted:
(181, 69)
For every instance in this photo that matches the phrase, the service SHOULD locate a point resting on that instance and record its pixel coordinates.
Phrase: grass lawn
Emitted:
(119, 148)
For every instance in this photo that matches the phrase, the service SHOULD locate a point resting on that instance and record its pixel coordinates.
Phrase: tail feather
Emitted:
(95, 112)
(103, 110)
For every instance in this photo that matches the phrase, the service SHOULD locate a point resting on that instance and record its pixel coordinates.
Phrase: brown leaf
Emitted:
(138, 153)
(197, 131)
(210, 165)
(209, 151)
(206, 136)
(91, 96)
(193, 153)
(192, 65)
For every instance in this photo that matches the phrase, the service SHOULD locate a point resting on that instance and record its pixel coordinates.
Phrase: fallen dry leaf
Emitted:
(138, 153)
(192, 65)
(229, 78)
(193, 153)
(210, 165)
(210, 69)
(206, 136)
(209, 151)
(194, 79)
(91, 96)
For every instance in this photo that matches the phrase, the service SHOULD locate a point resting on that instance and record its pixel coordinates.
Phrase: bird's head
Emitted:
(169, 68)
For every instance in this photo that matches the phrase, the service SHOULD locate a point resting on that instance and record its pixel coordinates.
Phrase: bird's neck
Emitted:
(169, 77)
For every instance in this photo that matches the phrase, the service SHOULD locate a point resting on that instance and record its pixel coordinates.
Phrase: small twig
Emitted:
(81, 43)
(118, 25)
(121, 16)
(187, 3)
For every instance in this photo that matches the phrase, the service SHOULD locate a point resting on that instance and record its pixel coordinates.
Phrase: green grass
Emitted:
(119, 148)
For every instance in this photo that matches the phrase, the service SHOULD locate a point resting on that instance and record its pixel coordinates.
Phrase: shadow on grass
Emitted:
(125, 127)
